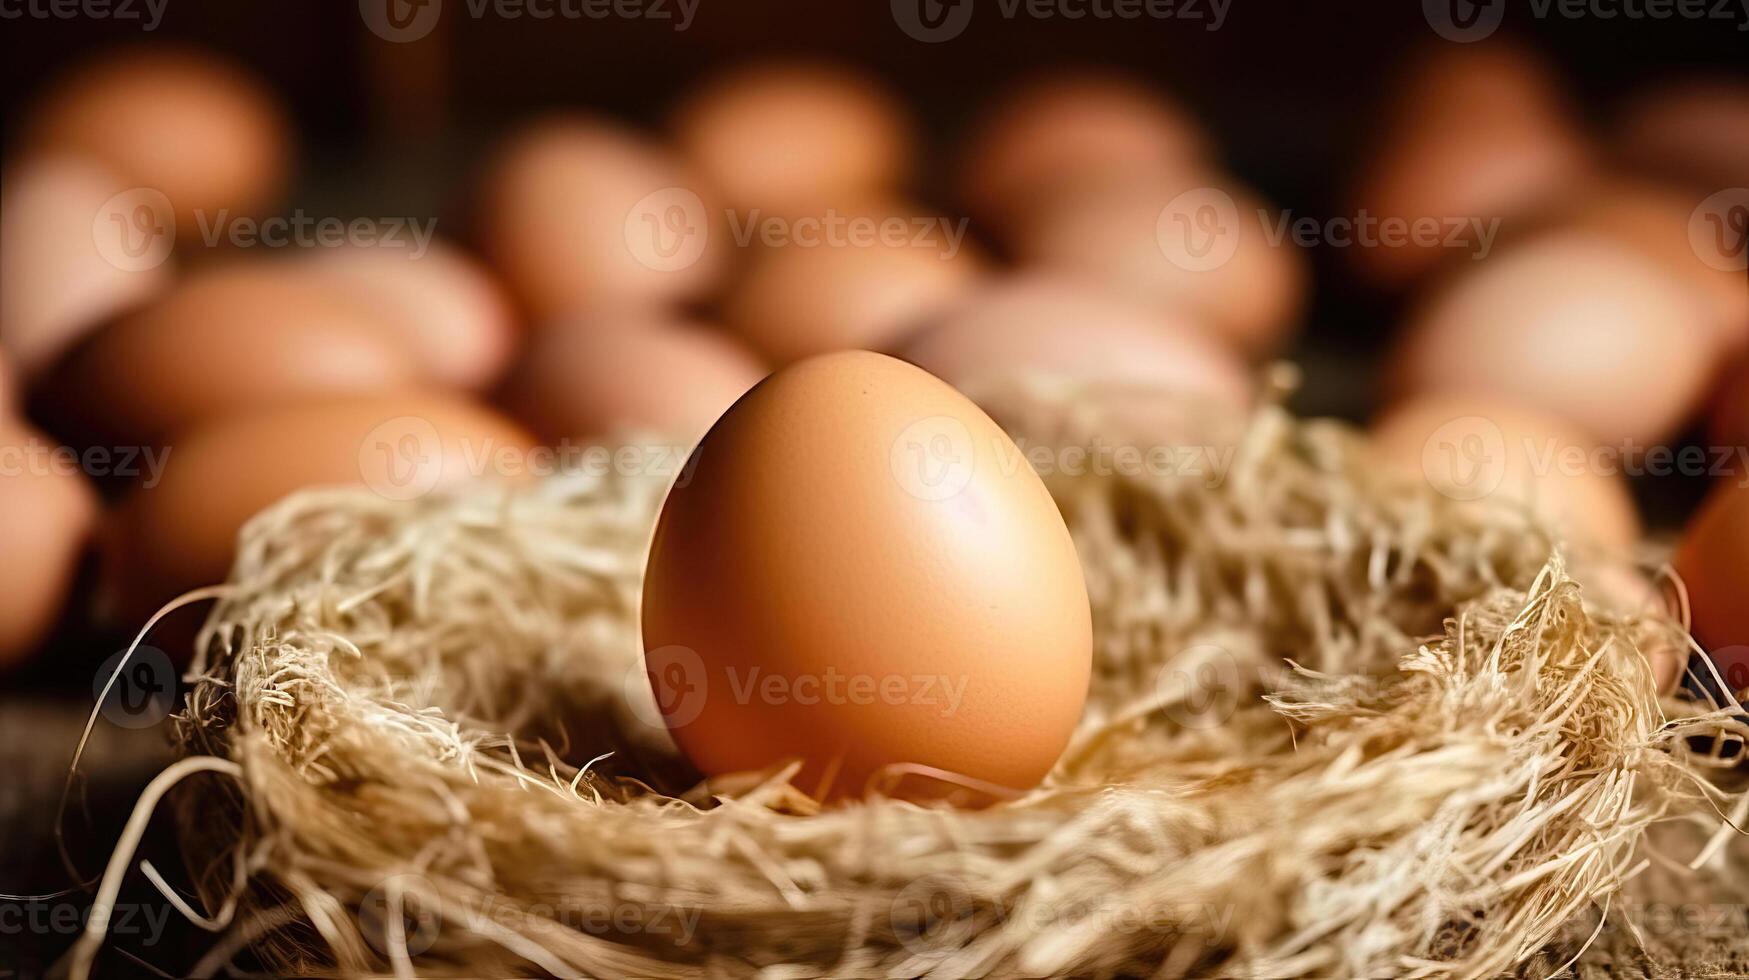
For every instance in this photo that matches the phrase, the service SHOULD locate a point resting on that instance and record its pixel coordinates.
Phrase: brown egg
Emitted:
(1484, 448)
(1696, 129)
(227, 340)
(786, 137)
(444, 306)
(587, 377)
(1656, 219)
(1729, 422)
(188, 124)
(1045, 325)
(61, 272)
(579, 213)
(8, 390)
(1574, 323)
(863, 286)
(181, 533)
(1198, 244)
(1711, 561)
(945, 627)
(1073, 127)
(1479, 136)
(47, 510)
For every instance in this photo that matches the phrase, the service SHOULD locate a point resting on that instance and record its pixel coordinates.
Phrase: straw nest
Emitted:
(1339, 725)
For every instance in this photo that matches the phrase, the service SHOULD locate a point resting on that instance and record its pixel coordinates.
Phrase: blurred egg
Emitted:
(1479, 135)
(1198, 244)
(1712, 562)
(1696, 129)
(830, 291)
(8, 390)
(190, 125)
(181, 533)
(578, 212)
(1574, 323)
(1073, 127)
(59, 277)
(1483, 448)
(1729, 423)
(443, 304)
(227, 340)
(1656, 220)
(47, 510)
(586, 377)
(1140, 363)
(790, 136)
(946, 625)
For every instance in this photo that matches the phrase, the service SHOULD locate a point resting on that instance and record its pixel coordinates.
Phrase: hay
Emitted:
(1338, 725)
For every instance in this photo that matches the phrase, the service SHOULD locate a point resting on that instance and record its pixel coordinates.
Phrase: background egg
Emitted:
(1073, 127)
(230, 339)
(55, 283)
(447, 308)
(1711, 561)
(790, 136)
(1729, 421)
(1696, 129)
(8, 386)
(795, 300)
(188, 124)
(1655, 218)
(181, 533)
(46, 517)
(1198, 244)
(1480, 447)
(577, 212)
(1045, 325)
(1478, 134)
(589, 377)
(953, 565)
(1574, 323)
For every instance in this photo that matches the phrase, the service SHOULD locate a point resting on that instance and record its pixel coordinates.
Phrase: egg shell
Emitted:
(8, 389)
(588, 377)
(181, 532)
(1522, 456)
(1573, 323)
(1655, 219)
(1130, 235)
(1478, 134)
(1695, 129)
(795, 300)
(1073, 126)
(46, 518)
(57, 284)
(444, 305)
(1729, 422)
(189, 124)
(788, 136)
(1711, 562)
(577, 212)
(811, 543)
(228, 340)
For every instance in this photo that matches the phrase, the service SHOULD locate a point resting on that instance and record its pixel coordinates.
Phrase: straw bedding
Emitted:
(1339, 725)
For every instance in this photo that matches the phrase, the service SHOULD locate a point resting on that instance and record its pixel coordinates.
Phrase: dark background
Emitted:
(1291, 89)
